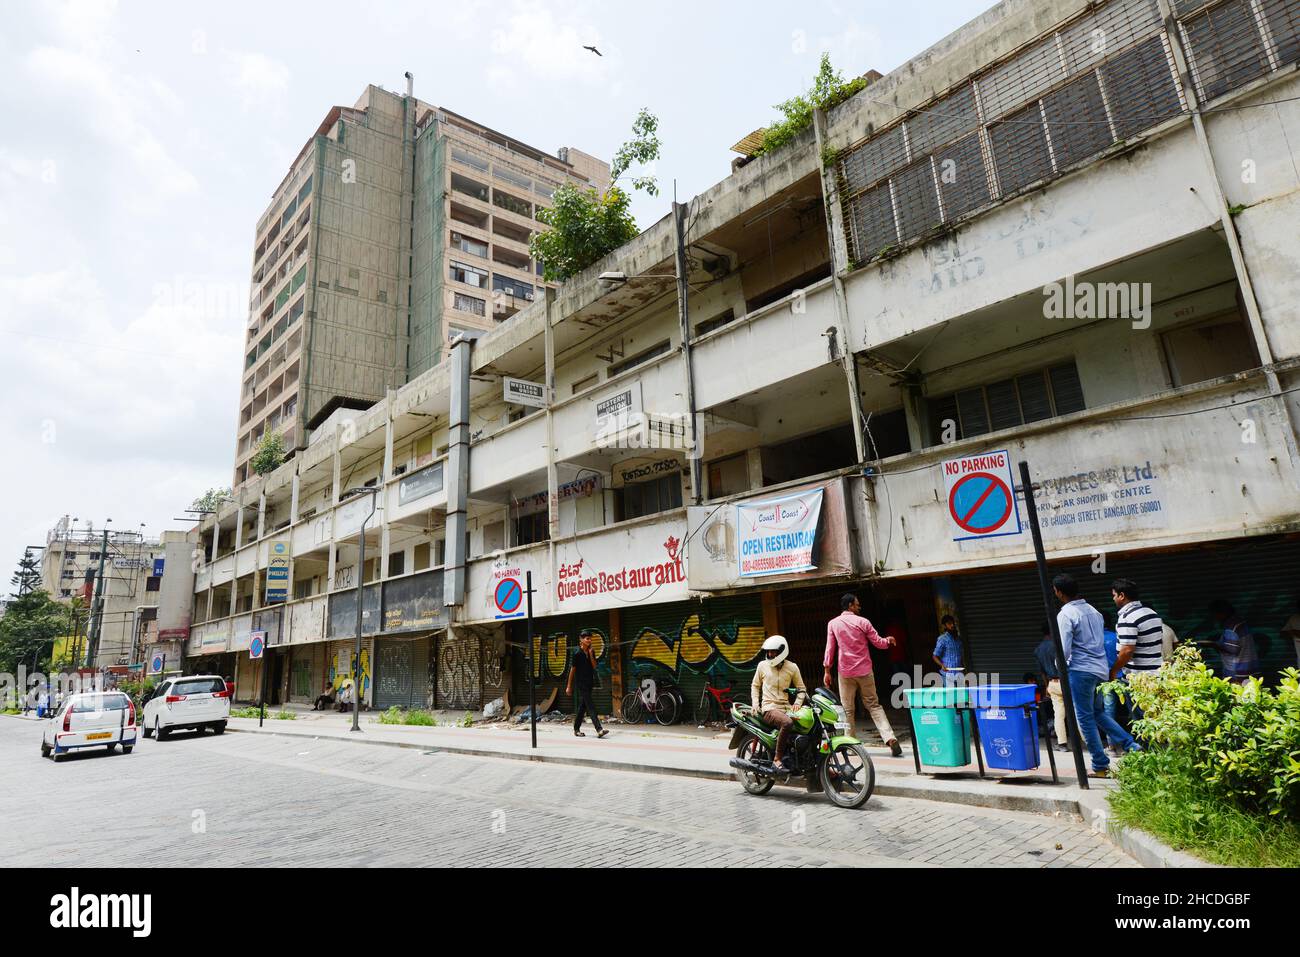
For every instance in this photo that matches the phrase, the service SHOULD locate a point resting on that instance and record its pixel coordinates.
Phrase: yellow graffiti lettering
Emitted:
(652, 646)
(695, 650)
(746, 646)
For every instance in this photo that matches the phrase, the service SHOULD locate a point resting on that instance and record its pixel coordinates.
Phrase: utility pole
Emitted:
(97, 606)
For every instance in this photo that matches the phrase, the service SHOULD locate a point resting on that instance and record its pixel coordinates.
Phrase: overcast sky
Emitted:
(141, 140)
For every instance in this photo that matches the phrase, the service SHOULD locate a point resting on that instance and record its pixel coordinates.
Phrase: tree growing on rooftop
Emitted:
(829, 89)
(211, 500)
(586, 225)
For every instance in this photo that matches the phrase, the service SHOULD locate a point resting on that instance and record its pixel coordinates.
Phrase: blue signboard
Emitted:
(158, 567)
(279, 573)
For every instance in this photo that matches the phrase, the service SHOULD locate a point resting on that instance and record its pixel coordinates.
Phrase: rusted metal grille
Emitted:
(1099, 79)
(1231, 42)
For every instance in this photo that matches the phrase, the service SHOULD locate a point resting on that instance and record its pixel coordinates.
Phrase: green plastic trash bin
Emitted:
(942, 732)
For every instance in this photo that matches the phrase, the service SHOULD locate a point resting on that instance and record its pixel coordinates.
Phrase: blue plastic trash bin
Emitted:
(1008, 729)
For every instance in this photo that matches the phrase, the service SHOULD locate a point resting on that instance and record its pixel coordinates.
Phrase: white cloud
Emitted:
(533, 43)
(262, 82)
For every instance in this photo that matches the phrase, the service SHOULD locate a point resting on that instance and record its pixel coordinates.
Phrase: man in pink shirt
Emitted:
(848, 645)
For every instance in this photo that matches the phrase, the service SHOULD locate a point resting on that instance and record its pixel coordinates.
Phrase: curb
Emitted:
(1147, 849)
(897, 787)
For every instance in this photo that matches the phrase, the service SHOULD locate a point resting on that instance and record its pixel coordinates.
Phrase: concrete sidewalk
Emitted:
(688, 751)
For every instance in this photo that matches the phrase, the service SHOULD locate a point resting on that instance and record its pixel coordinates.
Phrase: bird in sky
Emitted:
(594, 50)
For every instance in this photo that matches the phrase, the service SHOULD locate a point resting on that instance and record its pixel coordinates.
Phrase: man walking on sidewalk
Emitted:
(1084, 645)
(848, 645)
(584, 670)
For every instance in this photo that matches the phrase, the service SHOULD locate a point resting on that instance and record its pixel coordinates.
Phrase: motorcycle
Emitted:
(821, 752)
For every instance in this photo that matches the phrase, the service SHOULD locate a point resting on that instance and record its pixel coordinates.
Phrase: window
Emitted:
(513, 287)
(305, 191)
(1031, 397)
(467, 244)
(463, 184)
(641, 358)
(717, 322)
(302, 589)
(153, 583)
(512, 204)
(187, 686)
(510, 176)
(464, 303)
(396, 564)
(531, 529)
(460, 272)
(650, 498)
(469, 159)
(1227, 51)
(583, 384)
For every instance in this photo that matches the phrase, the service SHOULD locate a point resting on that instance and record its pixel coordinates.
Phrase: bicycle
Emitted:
(657, 697)
(710, 696)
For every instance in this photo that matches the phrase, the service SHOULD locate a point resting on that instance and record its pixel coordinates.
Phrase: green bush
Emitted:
(1241, 741)
(396, 715)
(285, 716)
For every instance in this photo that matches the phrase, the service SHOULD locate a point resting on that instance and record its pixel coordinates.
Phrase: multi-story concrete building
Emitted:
(1063, 235)
(398, 225)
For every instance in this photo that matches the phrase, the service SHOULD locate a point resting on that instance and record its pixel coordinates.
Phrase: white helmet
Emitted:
(778, 644)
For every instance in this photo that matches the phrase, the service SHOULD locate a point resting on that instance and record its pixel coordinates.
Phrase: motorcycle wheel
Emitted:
(752, 749)
(848, 777)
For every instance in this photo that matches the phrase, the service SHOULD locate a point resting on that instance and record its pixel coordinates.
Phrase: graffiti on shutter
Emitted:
(459, 676)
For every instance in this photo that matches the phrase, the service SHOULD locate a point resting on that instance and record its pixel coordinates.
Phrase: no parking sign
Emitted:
(981, 496)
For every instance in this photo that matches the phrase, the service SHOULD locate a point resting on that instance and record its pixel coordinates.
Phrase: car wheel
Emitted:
(128, 748)
(161, 732)
(57, 757)
(148, 731)
(112, 748)
(45, 750)
(219, 727)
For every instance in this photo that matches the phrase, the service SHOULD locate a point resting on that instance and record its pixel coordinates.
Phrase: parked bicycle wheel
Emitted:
(704, 708)
(633, 711)
(667, 708)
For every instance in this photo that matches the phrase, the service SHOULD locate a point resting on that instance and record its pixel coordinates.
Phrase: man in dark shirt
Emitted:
(584, 671)
(1045, 653)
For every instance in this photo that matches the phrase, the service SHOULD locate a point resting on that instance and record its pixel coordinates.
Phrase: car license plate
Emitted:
(99, 737)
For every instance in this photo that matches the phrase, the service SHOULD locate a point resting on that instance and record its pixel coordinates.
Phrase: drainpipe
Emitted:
(684, 316)
(458, 474)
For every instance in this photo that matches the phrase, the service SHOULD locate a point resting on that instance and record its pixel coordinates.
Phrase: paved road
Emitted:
(262, 800)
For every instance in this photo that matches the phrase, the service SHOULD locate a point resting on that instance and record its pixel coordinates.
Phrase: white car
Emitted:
(91, 720)
(193, 702)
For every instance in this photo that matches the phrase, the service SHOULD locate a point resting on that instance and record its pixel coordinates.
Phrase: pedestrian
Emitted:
(948, 653)
(1292, 630)
(1236, 644)
(1141, 637)
(1109, 699)
(1045, 654)
(849, 639)
(583, 674)
(1084, 644)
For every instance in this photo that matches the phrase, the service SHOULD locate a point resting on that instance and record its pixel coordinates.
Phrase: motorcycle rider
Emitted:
(768, 692)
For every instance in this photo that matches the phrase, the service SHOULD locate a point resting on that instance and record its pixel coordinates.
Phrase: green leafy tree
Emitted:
(28, 576)
(27, 631)
(585, 225)
(211, 500)
(829, 89)
(269, 455)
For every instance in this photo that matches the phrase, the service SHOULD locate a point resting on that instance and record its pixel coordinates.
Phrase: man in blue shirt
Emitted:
(948, 653)
(1084, 643)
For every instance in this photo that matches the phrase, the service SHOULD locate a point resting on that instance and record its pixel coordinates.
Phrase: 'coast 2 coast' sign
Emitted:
(981, 496)
(778, 536)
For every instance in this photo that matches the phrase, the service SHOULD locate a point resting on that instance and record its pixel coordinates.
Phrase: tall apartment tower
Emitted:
(399, 226)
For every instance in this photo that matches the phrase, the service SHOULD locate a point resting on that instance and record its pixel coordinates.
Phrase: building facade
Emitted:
(399, 224)
(1063, 235)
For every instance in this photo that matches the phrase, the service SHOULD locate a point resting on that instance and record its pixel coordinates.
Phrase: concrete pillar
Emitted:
(239, 527)
(295, 496)
(754, 467)
(261, 516)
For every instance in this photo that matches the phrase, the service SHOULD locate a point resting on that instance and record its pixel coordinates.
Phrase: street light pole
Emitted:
(361, 598)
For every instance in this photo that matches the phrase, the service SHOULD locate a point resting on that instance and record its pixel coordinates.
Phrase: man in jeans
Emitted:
(584, 671)
(1082, 640)
(1045, 654)
(848, 644)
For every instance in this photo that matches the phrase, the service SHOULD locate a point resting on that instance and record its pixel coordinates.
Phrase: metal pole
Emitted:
(97, 606)
(684, 318)
(532, 682)
(1040, 557)
(262, 662)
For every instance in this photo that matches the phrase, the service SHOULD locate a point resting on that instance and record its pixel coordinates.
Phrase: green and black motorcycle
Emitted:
(821, 753)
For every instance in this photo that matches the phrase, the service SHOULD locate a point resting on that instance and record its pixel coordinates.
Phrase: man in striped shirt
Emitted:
(1140, 631)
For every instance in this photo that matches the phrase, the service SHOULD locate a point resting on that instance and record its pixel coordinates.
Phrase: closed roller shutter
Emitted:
(401, 674)
(717, 640)
(555, 639)
(1001, 613)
